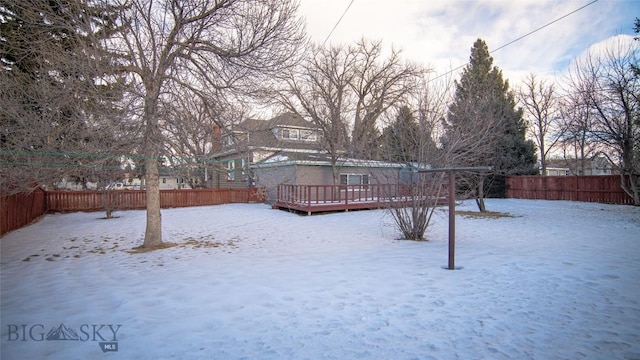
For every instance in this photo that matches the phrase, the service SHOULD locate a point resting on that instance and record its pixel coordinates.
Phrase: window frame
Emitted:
(349, 176)
(287, 134)
(228, 140)
(308, 135)
(231, 170)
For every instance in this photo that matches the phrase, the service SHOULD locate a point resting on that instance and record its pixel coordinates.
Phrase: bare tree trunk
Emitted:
(196, 49)
(480, 198)
(632, 188)
(108, 202)
(153, 233)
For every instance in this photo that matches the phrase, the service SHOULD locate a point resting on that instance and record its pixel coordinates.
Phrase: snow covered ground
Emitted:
(557, 280)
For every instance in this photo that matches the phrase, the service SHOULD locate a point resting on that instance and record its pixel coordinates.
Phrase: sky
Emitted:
(547, 280)
(440, 34)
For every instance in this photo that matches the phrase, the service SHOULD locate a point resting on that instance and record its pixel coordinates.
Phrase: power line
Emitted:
(543, 26)
(337, 23)
(106, 156)
(521, 37)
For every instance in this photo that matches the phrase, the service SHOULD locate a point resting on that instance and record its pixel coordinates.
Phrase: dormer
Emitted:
(286, 131)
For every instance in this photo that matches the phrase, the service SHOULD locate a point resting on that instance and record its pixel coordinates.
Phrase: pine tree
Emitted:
(485, 106)
(401, 138)
(59, 89)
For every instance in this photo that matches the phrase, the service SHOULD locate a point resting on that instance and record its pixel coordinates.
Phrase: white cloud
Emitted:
(440, 34)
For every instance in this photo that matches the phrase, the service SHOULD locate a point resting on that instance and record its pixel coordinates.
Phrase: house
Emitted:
(597, 165)
(318, 169)
(286, 152)
(170, 179)
(253, 141)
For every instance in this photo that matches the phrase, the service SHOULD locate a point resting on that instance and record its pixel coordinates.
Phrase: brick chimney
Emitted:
(217, 138)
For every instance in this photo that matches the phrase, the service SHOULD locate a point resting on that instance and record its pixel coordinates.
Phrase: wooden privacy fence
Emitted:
(21, 209)
(596, 188)
(18, 210)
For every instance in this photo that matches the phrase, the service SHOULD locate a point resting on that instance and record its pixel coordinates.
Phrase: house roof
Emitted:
(322, 159)
(291, 120)
(254, 134)
(282, 120)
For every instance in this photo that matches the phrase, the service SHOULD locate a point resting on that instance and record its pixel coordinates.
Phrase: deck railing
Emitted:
(323, 194)
(313, 198)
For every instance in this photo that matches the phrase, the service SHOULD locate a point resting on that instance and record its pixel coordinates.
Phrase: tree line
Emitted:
(91, 85)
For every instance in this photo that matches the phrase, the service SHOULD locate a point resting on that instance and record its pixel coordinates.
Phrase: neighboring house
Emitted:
(288, 150)
(597, 165)
(556, 171)
(172, 180)
(253, 141)
(297, 169)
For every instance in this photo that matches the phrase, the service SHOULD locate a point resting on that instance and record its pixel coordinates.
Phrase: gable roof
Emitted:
(322, 159)
(282, 120)
(291, 120)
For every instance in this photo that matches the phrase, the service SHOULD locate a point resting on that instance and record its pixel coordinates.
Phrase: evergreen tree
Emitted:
(485, 106)
(401, 138)
(59, 91)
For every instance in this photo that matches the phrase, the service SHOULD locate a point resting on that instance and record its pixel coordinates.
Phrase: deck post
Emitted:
(278, 193)
(309, 200)
(346, 198)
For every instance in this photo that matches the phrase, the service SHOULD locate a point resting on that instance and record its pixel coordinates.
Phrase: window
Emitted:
(308, 135)
(227, 140)
(291, 134)
(164, 180)
(231, 170)
(354, 179)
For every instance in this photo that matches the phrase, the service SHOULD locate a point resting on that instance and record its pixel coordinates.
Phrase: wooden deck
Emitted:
(311, 199)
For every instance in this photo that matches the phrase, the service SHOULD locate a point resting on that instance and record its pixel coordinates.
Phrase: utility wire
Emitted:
(71, 155)
(543, 26)
(337, 23)
(521, 37)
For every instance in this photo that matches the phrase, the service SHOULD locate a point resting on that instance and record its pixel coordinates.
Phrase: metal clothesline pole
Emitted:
(452, 204)
(452, 220)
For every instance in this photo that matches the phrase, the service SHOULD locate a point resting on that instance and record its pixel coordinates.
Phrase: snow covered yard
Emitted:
(557, 280)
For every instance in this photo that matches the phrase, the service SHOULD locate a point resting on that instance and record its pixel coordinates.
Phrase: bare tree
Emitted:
(194, 47)
(192, 130)
(612, 92)
(345, 90)
(576, 122)
(540, 102)
(379, 84)
(413, 138)
(319, 90)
